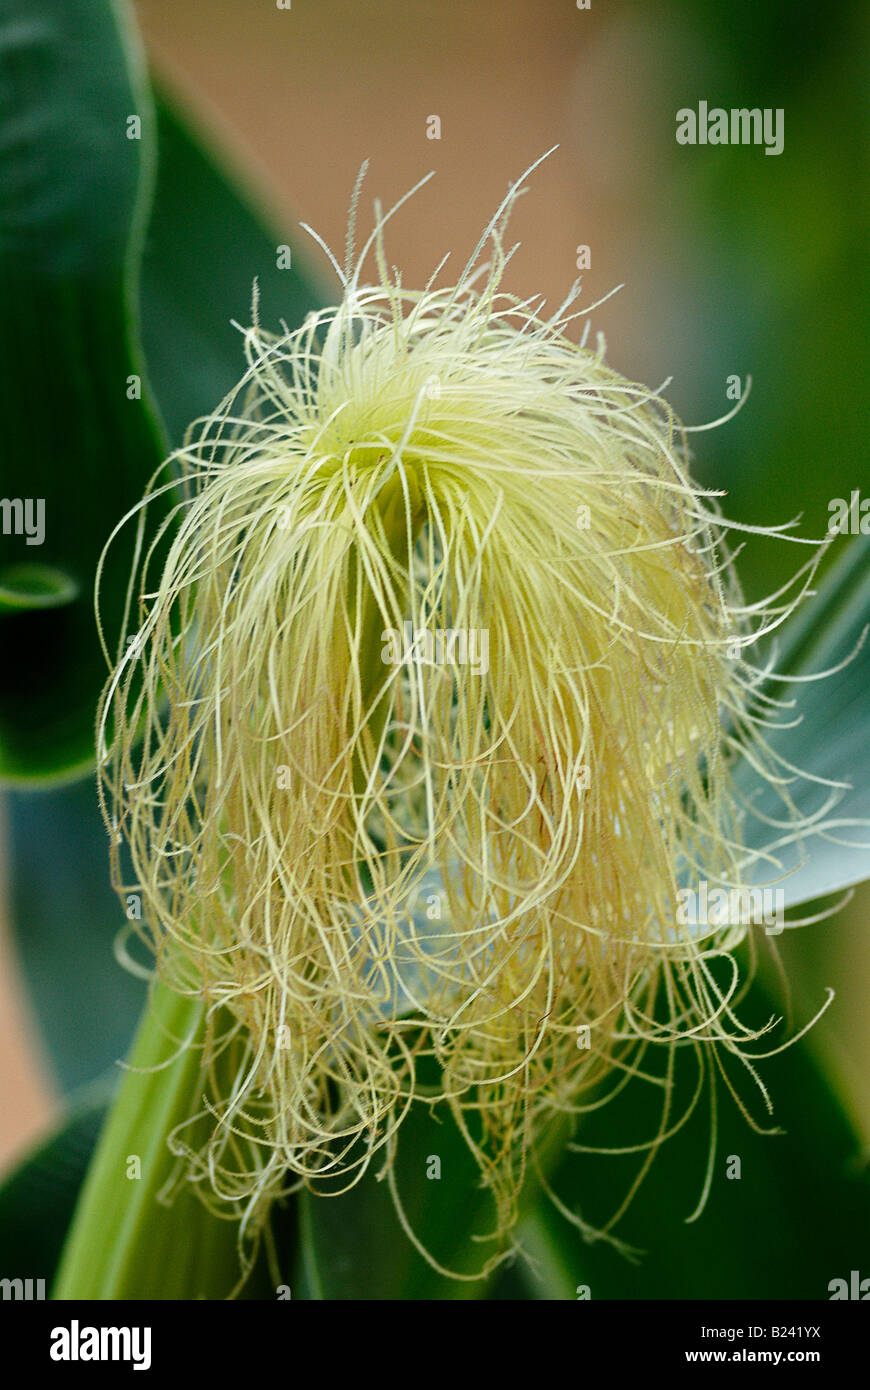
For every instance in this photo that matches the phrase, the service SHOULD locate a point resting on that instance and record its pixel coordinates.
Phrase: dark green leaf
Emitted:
(796, 1217)
(446, 1207)
(79, 438)
(354, 1247)
(38, 1199)
(832, 740)
(128, 1239)
(204, 247)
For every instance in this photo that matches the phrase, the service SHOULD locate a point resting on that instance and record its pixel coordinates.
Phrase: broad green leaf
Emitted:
(353, 1245)
(832, 740)
(786, 1213)
(831, 618)
(38, 1198)
(197, 275)
(126, 1240)
(79, 436)
(446, 1207)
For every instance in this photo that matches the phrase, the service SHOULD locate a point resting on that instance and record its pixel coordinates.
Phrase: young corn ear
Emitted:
(432, 707)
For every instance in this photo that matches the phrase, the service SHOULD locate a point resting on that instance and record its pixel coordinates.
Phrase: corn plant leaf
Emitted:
(757, 1236)
(438, 1182)
(134, 1233)
(204, 247)
(79, 436)
(787, 1212)
(77, 163)
(38, 1198)
(446, 1208)
(831, 742)
(196, 1257)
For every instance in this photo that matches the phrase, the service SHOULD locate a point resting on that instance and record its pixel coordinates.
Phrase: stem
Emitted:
(123, 1243)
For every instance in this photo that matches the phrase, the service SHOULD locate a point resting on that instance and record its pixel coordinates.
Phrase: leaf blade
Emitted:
(79, 430)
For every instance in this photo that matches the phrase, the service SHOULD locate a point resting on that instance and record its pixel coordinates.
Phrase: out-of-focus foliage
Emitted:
(76, 154)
